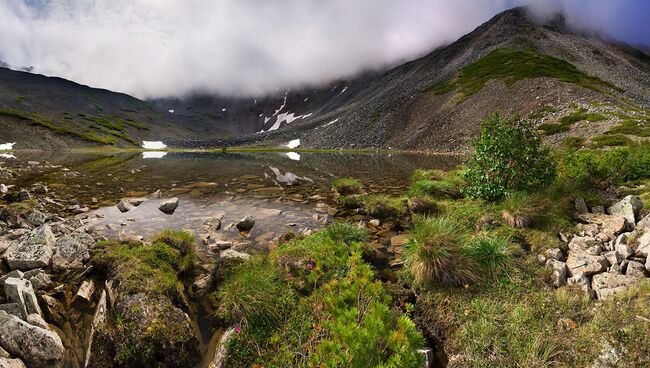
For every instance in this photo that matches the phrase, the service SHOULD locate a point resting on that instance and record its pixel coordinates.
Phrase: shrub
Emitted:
(434, 254)
(507, 157)
(347, 186)
(255, 293)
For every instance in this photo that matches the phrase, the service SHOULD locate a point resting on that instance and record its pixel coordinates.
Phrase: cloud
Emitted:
(156, 48)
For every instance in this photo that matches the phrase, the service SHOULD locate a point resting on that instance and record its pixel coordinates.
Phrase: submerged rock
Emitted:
(36, 346)
(124, 206)
(246, 224)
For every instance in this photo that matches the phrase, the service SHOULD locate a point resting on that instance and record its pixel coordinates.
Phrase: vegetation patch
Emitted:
(511, 66)
(347, 186)
(566, 122)
(611, 141)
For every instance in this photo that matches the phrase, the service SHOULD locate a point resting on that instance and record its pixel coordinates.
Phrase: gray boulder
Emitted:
(643, 245)
(36, 346)
(36, 218)
(627, 208)
(39, 279)
(168, 206)
(21, 292)
(581, 206)
(623, 245)
(11, 363)
(587, 264)
(607, 284)
(34, 252)
(559, 272)
(635, 269)
(124, 206)
(72, 251)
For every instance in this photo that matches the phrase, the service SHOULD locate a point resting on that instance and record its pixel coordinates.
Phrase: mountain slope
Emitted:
(542, 70)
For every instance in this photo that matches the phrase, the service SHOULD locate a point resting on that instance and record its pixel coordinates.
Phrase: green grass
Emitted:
(613, 140)
(639, 128)
(436, 184)
(511, 66)
(384, 207)
(541, 112)
(347, 186)
(566, 122)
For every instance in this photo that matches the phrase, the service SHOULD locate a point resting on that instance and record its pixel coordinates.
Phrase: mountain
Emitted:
(568, 83)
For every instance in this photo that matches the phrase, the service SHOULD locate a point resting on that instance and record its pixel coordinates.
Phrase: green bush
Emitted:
(507, 157)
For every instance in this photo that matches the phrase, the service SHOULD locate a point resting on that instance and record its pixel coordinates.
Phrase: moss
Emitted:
(511, 66)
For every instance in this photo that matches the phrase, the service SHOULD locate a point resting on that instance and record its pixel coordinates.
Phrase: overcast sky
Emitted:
(157, 48)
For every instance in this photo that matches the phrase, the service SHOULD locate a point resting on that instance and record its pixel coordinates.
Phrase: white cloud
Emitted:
(155, 48)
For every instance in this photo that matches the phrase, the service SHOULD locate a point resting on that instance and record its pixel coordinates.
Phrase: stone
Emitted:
(580, 262)
(11, 363)
(374, 222)
(135, 202)
(84, 297)
(3, 189)
(4, 354)
(36, 320)
(201, 286)
(99, 320)
(399, 240)
(222, 349)
(644, 223)
(219, 245)
(610, 223)
(607, 284)
(53, 309)
(559, 274)
(39, 279)
(36, 218)
(39, 189)
(246, 224)
(36, 346)
(168, 206)
(15, 273)
(628, 208)
(24, 195)
(582, 243)
(613, 257)
(598, 209)
(21, 292)
(124, 205)
(647, 264)
(635, 269)
(34, 252)
(643, 245)
(581, 206)
(72, 251)
(554, 253)
(12, 308)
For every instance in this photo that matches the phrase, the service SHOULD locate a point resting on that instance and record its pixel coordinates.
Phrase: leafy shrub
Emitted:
(434, 254)
(347, 186)
(255, 293)
(507, 157)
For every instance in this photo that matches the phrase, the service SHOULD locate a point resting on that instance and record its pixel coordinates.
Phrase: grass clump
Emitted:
(347, 186)
(384, 207)
(181, 240)
(436, 184)
(511, 66)
(640, 128)
(435, 256)
(519, 209)
(492, 255)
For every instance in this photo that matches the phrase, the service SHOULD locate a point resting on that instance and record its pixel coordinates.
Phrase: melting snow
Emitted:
(224, 109)
(330, 123)
(7, 146)
(293, 156)
(154, 145)
(285, 116)
(171, 111)
(344, 89)
(295, 143)
(154, 154)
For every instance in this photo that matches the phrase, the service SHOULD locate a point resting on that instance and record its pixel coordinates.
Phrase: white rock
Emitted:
(559, 272)
(635, 269)
(11, 363)
(34, 252)
(627, 208)
(36, 346)
(580, 262)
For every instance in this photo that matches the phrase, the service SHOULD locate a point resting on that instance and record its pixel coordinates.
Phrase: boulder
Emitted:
(36, 218)
(228, 259)
(246, 224)
(96, 353)
(168, 206)
(623, 245)
(36, 320)
(559, 272)
(39, 279)
(554, 253)
(11, 363)
(3, 189)
(613, 257)
(585, 244)
(124, 205)
(581, 206)
(643, 245)
(628, 208)
(21, 292)
(635, 269)
(84, 297)
(607, 284)
(221, 353)
(581, 262)
(34, 252)
(72, 251)
(610, 224)
(36, 346)
(53, 309)
(647, 264)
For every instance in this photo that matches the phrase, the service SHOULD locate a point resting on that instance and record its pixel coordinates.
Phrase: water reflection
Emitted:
(154, 154)
(293, 156)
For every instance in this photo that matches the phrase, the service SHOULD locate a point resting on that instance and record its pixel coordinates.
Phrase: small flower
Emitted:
(310, 266)
(289, 275)
(238, 330)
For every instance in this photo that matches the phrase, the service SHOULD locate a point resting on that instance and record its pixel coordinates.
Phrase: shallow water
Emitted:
(282, 190)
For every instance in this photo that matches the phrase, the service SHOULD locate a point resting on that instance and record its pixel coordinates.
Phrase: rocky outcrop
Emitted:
(609, 254)
(72, 252)
(34, 252)
(36, 346)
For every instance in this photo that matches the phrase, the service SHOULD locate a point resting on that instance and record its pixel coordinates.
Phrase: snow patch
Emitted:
(286, 117)
(223, 109)
(294, 143)
(306, 99)
(171, 111)
(7, 146)
(293, 156)
(154, 154)
(154, 145)
(343, 91)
